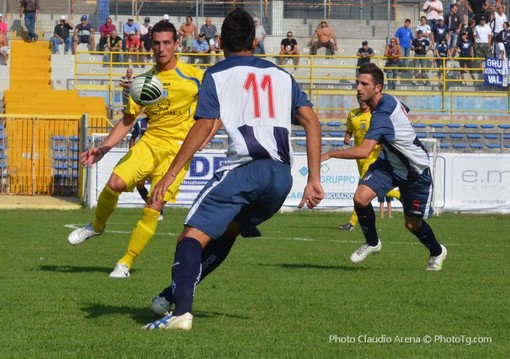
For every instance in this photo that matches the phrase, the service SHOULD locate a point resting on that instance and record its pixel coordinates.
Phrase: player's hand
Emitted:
(91, 156)
(159, 190)
(312, 195)
(325, 156)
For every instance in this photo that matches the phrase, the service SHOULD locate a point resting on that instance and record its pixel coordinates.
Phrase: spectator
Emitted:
(441, 53)
(388, 200)
(106, 30)
(498, 19)
(201, 47)
(114, 44)
(127, 28)
(425, 28)
(393, 53)
(500, 52)
(215, 46)
(471, 30)
(364, 54)
(30, 8)
(433, 9)
(420, 47)
(62, 35)
(322, 38)
(505, 36)
(404, 38)
(208, 29)
(289, 47)
(466, 53)
(260, 35)
(125, 83)
(84, 34)
(454, 21)
(440, 31)
(477, 9)
(133, 45)
(483, 38)
(3, 26)
(146, 38)
(4, 46)
(188, 32)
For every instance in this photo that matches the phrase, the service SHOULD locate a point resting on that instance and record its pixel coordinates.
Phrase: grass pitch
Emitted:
(291, 294)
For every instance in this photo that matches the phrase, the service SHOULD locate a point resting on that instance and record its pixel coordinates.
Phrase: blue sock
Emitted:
(185, 274)
(427, 237)
(212, 256)
(366, 218)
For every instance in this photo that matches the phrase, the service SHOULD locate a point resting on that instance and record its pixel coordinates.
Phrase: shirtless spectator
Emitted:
(188, 33)
(322, 38)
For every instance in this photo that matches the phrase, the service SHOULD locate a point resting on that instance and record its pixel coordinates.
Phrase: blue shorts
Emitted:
(416, 194)
(248, 194)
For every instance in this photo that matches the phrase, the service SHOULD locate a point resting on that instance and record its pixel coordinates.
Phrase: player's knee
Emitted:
(413, 224)
(116, 184)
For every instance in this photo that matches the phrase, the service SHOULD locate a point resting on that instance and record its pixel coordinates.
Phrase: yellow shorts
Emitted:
(146, 162)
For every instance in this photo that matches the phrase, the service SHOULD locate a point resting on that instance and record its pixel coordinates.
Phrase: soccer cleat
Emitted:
(160, 306)
(361, 254)
(120, 271)
(160, 218)
(171, 322)
(347, 227)
(436, 263)
(80, 235)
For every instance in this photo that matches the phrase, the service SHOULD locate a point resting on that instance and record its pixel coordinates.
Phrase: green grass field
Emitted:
(290, 294)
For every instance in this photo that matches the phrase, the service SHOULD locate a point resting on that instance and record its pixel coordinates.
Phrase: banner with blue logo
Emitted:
(496, 72)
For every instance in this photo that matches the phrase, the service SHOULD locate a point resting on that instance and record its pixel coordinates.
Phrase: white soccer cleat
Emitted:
(171, 322)
(160, 306)
(120, 271)
(436, 263)
(80, 235)
(361, 254)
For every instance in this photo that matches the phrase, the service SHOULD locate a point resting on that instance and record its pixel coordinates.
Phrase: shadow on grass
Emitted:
(77, 269)
(312, 266)
(142, 315)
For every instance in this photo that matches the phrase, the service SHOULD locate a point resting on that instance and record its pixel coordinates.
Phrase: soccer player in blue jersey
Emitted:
(257, 102)
(403, 162)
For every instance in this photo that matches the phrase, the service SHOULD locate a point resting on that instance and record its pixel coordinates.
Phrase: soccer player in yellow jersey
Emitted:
(358, 122)
(170, 120)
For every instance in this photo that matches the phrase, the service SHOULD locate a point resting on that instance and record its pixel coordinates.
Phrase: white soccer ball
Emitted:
(146, 89)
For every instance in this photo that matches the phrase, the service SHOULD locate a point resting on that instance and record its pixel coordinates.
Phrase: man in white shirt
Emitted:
(433, 9)
(483, 37)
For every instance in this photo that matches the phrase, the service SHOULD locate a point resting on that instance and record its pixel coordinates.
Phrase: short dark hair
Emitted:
(165, 26)
(238, 31)
(376, 72)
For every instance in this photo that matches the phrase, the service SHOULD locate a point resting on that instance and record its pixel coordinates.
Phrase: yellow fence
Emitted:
(40, 155)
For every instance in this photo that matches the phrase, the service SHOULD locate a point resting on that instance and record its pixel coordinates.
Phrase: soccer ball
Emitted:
(146, 90)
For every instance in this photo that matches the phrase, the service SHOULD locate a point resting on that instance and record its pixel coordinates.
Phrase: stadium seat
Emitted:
(74, 138)
(476, 145)
(301, 143)
(334, 124)
(216, 141)
(493, 146)
(504, 126)
(419, 125)
(486, 125)
(470, 125)
(456, 135)
(506, 136)
(459, 145)
(439, 135)
(336, 134)
(444, 145)
(473, 136)
(507, 145)
(300, 133)
(421, 134)
(454, 125)
(436, 125)
(491, 136)
(337, 143)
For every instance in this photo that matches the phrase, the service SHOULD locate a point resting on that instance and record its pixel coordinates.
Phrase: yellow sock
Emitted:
(141, 235)
(354, 219)
(106, 204)
(395, 193)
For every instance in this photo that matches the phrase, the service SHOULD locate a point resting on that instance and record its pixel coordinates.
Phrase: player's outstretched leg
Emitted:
(366, 217)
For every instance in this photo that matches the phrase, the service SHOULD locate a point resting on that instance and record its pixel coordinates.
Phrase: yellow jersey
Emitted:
(172, 117)
(358, 123)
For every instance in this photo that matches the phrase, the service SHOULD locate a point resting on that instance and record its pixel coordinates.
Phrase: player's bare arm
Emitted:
(216, 127)
(200, 131)
(119, 131)
(313, 193)
(362, 151)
